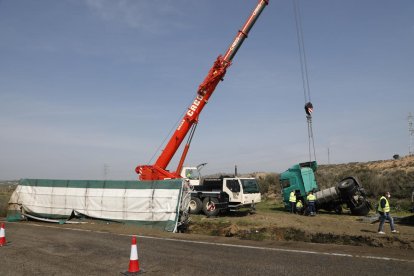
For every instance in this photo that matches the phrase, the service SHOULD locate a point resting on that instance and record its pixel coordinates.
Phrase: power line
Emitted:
(329, 156)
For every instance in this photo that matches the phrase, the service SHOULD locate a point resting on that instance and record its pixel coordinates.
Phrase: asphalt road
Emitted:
(48, 249)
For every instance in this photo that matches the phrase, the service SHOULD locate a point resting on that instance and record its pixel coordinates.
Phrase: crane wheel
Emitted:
(210, 207)
(195, 205)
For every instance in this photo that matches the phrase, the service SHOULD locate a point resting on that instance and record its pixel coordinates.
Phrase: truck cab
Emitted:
(242, 192)
(192, 174)
(223, 194)
(299, 179)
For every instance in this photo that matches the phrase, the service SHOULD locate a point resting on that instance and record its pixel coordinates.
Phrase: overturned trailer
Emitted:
(159, 204)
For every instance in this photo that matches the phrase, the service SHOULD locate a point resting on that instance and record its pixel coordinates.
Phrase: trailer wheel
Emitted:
(210, 206)
(195, 205)
(346, 186)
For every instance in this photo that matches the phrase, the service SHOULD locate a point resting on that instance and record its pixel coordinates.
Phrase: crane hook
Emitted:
(309, 108)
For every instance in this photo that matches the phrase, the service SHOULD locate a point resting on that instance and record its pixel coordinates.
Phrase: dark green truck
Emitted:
(300, 178)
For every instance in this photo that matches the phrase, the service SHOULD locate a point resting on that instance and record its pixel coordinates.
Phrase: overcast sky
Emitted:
(90, 89)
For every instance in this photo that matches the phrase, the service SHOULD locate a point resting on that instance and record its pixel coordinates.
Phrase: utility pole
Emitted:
(106, 171)
(329, 156)
(411, 133)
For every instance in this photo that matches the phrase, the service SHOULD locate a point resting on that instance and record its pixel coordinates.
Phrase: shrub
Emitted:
(269, 183)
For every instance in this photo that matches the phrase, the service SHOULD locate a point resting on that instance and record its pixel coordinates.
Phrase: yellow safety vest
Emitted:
(311, 197)
(299, 204)
(292, 197)
(387, 205)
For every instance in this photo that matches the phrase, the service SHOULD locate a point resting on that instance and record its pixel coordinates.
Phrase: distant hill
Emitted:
(9, 182)
(396, 176)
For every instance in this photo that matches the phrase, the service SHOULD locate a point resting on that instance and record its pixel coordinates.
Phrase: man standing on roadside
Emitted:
(292, 200)
(384, 211)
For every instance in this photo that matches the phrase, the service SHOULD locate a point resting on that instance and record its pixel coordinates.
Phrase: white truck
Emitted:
(220, 194)
(224, 194)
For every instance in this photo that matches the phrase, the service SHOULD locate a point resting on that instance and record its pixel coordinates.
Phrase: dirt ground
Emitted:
(279, 226)
(323, 228)
(275, 224)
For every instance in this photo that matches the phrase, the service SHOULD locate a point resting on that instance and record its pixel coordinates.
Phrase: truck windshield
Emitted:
(192, 174)
(250, 186)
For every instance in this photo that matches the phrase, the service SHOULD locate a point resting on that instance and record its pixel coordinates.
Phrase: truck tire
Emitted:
(346, 186)
(338, 209)
(361, 210)
(195, 205)
(210, 206)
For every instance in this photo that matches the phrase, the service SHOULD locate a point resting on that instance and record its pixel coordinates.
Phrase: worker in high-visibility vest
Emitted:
(384, 211)
(292, 200)
(299, 207)
(311, 203)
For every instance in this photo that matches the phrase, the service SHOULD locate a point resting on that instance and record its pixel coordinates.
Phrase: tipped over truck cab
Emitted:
(300, 179)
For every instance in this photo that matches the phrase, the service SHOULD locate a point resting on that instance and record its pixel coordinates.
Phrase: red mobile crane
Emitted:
(158, 171)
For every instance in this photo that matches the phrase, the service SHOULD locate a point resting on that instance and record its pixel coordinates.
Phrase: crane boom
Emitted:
(205, 90)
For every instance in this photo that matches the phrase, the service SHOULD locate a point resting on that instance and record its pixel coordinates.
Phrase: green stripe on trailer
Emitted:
(14, 215)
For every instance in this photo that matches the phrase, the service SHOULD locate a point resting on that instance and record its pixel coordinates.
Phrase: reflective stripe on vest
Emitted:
(311, 198)
(387, 205)
(292, 197)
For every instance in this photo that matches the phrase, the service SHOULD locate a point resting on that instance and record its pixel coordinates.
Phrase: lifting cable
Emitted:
(168, 135)
(305, 78)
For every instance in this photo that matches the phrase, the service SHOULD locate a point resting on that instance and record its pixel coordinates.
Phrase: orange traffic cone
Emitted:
(133, 260)
(2, 235)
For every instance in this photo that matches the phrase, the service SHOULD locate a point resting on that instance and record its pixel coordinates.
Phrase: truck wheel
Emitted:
(338, 209)
(210, 206)
(195, 205)
(361, 210)
(346, 186)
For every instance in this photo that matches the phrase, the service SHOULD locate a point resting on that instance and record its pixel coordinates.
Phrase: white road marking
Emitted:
(238, 246)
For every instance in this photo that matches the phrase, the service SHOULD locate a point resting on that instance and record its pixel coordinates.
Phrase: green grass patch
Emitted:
(270, 206)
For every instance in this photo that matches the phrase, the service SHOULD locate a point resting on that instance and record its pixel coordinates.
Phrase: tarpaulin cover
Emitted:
(150, 203)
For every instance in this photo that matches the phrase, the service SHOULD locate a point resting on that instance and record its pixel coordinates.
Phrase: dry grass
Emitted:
(6, 190)
(396, 176)
(272, 223)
